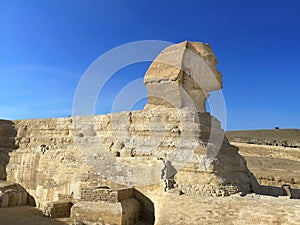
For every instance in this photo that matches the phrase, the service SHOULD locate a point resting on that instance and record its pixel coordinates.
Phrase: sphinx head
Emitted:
(182, 75)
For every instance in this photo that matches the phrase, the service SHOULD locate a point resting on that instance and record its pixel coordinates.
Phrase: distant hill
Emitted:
(276, 137)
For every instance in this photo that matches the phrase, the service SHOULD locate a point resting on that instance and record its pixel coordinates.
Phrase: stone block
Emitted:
(97, 212)
(58, 209)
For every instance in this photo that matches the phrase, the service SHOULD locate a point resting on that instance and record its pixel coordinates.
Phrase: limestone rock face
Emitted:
(7, 134)
(50, 160)
(7, 144)
(47, 163)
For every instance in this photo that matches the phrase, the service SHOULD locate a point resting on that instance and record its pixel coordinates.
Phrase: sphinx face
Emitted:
(200, 63)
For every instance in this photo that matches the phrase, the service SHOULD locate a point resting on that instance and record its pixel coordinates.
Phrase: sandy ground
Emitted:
(272, 165)
(27, 215)
(274, 152)
(194, 210)
(236, 210)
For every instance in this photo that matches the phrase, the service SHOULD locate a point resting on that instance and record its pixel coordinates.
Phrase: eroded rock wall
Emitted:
(47, 163)
(56, 158)
(7, 144)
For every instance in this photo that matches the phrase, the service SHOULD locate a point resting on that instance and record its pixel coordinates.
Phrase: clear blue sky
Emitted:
(45, 47)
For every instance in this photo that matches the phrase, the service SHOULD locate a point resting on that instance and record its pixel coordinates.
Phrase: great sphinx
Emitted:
(172, 139)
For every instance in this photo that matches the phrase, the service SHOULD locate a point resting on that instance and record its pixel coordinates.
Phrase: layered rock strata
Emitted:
(7, 144)
(50, 166)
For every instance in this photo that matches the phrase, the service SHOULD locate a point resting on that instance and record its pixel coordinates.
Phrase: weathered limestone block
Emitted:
(127, 212)
(135, 205)
(106, 194)
(58, 209)
(97, 213)
(103, 194)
